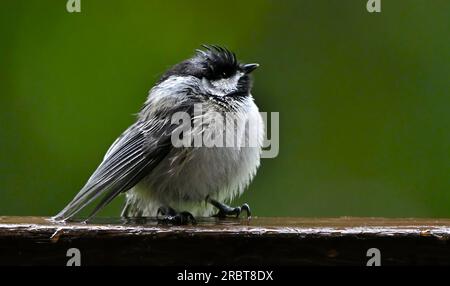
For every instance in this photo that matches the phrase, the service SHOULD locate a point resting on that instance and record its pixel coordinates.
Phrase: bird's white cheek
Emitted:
(224, 86)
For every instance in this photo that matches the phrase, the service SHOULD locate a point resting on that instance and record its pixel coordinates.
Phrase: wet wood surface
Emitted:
(231, 242)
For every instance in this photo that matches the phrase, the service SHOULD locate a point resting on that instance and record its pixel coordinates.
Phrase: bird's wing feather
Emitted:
(134, 154)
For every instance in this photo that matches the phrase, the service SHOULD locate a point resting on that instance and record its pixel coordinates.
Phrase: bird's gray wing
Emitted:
(134, 154)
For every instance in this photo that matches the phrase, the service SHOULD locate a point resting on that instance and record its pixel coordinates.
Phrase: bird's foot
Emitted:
(225, 210)
(171, 216)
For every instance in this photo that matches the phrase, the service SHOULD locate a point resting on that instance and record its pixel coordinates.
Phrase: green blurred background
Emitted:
(364, 99)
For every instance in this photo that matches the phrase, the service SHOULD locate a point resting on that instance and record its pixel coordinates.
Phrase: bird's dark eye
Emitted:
(227, 73)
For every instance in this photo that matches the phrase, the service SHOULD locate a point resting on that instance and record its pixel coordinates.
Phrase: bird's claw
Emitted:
(225, 210)
(170, 216)
(245, 207)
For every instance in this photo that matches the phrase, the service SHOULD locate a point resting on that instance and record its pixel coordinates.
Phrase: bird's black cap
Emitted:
(213, 62)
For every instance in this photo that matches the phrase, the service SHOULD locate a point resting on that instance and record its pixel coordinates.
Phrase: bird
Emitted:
(178, 183)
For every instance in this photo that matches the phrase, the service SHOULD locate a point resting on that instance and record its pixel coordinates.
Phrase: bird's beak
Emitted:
(248, 68)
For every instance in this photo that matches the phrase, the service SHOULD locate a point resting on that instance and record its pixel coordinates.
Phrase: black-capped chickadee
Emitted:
(161, 177)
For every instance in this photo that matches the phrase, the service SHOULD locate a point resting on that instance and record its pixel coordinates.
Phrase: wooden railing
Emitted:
(232, 242)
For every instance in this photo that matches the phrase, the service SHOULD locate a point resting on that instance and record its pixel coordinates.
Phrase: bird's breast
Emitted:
(189, 174)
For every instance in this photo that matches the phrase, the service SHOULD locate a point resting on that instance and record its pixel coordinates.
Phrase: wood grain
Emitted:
(231, 242)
